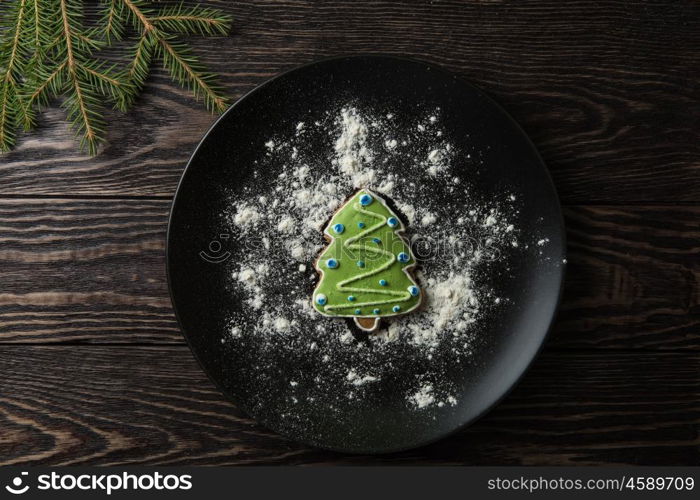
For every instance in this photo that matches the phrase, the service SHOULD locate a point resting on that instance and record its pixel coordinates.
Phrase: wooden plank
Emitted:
(94, 271)
(84, 271)
(153, 405)
(632, 279)
(607, 90)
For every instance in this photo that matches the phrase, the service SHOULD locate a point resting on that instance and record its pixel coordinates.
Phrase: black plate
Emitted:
(204, 297)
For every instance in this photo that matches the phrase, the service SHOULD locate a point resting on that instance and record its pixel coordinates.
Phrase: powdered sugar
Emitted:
(358, 380)
(351, 149)
(428, 219)
(246, 216)
(314, 167)
(423, 397)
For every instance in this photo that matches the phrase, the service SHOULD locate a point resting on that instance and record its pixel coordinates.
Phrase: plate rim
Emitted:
(561, 227)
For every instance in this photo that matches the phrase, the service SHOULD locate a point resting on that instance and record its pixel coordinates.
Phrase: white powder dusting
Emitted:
(409, 211)
(282, 324)
(428, 219)
(423, 397)
(286, 225)
(250, 278)
(234, 332)
(453, 301)
(351, 149)
(358, 380)
(246, 217)
(462, 238)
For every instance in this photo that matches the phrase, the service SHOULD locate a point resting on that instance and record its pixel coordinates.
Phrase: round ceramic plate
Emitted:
(302, 375)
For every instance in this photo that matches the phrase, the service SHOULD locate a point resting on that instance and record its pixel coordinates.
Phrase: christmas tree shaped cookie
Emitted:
(365, 269)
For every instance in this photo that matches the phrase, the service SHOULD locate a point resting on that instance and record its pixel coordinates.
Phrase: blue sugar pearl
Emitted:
(413, 290)
(321, 299)
(365, 200)
(332, 263)
(351, 298)
(376, 311)
(360, 263)
(403, 257)
(382, 282)
(396, 309)
(338, 228)
(376, 240)
(358, 311)
(392, 222)
(361, 225)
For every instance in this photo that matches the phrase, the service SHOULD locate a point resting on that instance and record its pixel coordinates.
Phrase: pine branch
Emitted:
(177, 58)
(86, 123)
(88, 42)
(140, 63)
(140, 15)
(49, 83)
(84, 110)
(186, 70)
(37, 28)
(192, 20)
(46, 51)
(110, 82)
(11, 66)
(113, 20)
(84, 81)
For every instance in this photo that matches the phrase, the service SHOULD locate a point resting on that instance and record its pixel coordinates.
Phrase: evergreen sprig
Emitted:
(13, 63)
(48, 51)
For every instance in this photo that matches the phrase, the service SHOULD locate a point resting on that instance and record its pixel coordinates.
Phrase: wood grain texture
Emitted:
(633, 279)
(90, 270)
(607, 90)
(94, 271)
(140, 405)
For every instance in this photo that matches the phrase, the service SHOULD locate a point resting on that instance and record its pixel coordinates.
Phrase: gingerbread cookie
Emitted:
(365, 269)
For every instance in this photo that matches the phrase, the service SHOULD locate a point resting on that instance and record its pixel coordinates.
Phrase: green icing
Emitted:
(378, 261)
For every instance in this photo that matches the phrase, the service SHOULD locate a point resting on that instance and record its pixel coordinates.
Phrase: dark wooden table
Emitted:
(94, 370)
